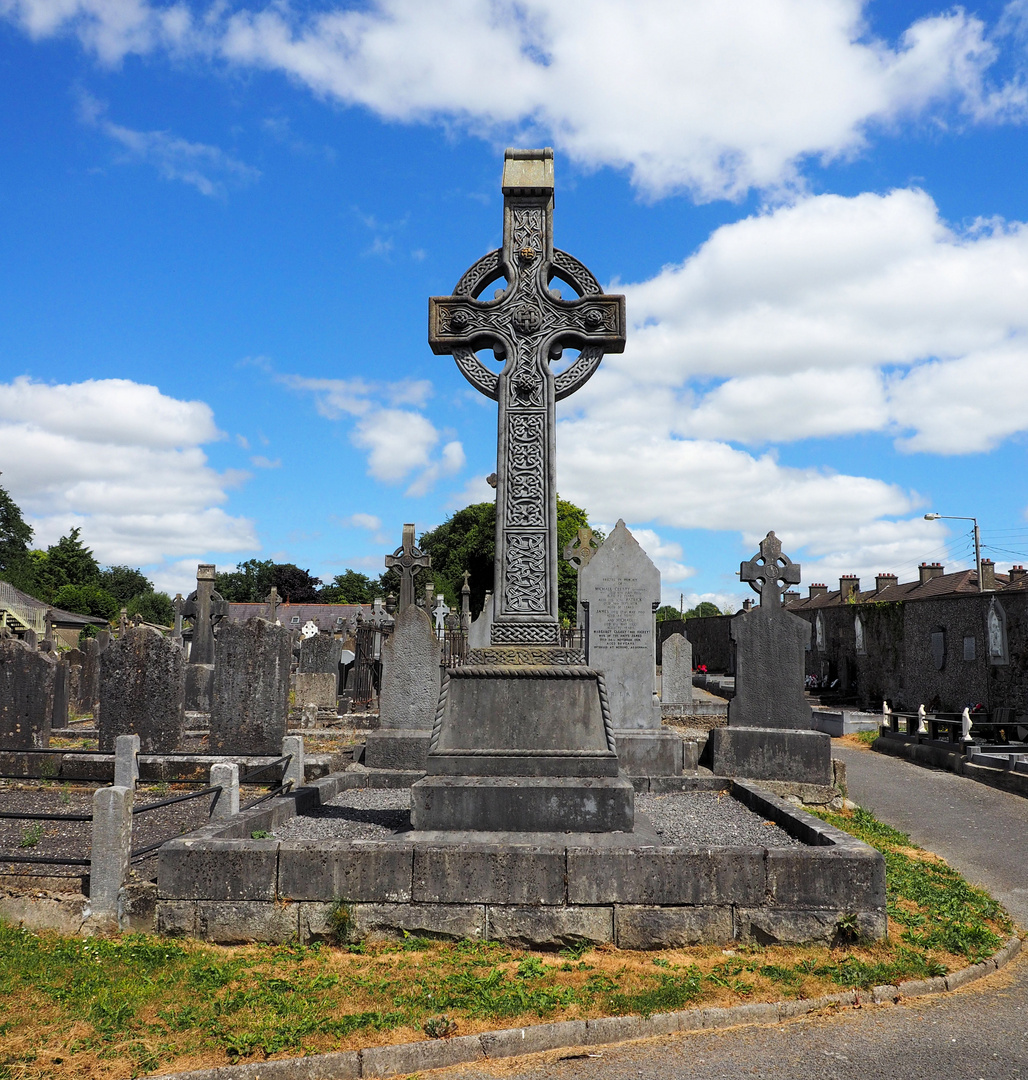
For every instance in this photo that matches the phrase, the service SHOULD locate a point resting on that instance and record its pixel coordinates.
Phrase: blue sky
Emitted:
(219, 226)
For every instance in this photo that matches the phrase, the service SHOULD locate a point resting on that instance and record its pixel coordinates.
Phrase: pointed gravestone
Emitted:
(620, 590)
(26, 696)
(317, 675)
(62, 694)
(409, 694)
(250, 699)
(769, 734)
(142, 691)
(676, 676)
(206, 608)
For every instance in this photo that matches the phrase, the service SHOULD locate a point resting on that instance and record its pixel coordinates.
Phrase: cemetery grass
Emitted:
(122, 1007)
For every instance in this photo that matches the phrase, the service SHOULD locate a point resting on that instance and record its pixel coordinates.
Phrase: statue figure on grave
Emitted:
(407, 560)
(527, 325)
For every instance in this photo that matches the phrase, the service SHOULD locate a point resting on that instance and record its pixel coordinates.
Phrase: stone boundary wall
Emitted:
(940, 755)
(219, 884)
(416, 1057)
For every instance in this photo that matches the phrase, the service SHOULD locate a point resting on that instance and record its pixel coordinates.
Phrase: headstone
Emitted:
(26, 696)
(206, 608)
(676, 676)
(465, 603)
(89, 688)
(409, 694)
(619, 588)
(578, 553)
(317, 676)
(769, 734)
(142, 691)
(439, 613)
(31, 638)
(250, 702)
(516, 745)
(272, 600)
(320, 653)
(178, 604)
(74, 659)
(479, 633)
(407, 560)
(62, 694)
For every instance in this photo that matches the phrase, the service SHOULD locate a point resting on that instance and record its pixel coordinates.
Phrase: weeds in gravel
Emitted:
(866, 737)
(130, 1005)
(31, 835)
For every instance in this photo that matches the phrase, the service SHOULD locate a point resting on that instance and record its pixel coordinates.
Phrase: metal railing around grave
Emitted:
(366, 673)
(996, 727)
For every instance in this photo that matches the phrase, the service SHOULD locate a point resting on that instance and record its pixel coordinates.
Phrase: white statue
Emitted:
(922, 727)
(965, 725)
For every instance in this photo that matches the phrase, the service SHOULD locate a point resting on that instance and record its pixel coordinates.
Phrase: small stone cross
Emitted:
(407, 560)
(440, 611)
(178, 604)
(272, 600)
(309, 629)
(581, 549)
(527, 325)
(769, 571)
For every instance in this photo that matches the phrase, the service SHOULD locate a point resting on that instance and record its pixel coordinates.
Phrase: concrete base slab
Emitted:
(393, 749)
(770, 754)
(649, 753)
(524, 803)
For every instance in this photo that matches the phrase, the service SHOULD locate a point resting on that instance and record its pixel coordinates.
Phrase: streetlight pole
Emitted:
(977, 539)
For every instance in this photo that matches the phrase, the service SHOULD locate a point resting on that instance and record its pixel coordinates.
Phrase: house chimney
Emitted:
(884, 581)
(988, 582)
(747, 604)
(927, 571)
(791, 595)
(848, 585)
(819, 589)
(1017, 574)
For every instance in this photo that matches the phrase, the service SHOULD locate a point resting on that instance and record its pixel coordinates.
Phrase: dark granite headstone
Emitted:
(142, 691)
(26, 696)
(250, 702)
(75, 659)
(62, 694)
(89, 685)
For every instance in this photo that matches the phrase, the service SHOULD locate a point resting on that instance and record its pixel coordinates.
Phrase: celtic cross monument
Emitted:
(523, 738)
(769, 734)
(527, 325)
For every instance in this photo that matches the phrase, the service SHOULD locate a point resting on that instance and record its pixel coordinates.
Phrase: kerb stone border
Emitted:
(406, 1058)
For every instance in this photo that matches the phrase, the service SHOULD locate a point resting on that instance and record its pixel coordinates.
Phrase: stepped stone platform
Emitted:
(541, 889)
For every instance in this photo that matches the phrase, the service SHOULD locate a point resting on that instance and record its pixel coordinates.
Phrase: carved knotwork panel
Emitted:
(545, 634)
(525, 566)
(526, 232)
(526, 467)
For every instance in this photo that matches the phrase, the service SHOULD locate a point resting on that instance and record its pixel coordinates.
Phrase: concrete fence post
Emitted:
(227, 802)
(294, 770)
(111, 850)
(126, 761)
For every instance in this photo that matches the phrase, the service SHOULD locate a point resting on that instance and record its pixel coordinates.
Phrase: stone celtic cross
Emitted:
(407, 560)
(769, 571)
(206, 608)
(526, 324)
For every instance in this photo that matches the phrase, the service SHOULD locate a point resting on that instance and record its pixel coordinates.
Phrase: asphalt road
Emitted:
(978, 1033)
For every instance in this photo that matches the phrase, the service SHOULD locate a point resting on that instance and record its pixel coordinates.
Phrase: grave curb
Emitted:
(403, 1059)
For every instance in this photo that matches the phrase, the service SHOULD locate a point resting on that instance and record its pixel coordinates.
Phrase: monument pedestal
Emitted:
(526, 748)
(770, 754)
(649, 752)
(405, 749)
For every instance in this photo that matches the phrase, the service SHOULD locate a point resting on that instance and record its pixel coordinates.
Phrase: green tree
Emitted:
(249, 583)
(350, 587)
(123, 583)
(296, 585)
(86, 600)
(68, 562)
(703, 610)
(666, 612)
(467, 541)
(154, 607)
(15, 537)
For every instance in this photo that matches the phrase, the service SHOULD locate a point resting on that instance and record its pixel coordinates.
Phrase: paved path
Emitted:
(979, 1033)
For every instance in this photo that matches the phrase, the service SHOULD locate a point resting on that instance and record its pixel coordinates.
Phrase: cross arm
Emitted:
(454, 321)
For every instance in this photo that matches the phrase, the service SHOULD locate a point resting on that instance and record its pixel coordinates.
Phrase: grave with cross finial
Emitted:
(769, 734)
(439, 613)
(579, 552)
(407, 560)
(522, 737)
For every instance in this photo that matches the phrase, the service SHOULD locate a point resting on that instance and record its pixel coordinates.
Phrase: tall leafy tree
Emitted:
(15, 538)
(123, 583)
(350, 587)
(249, 583)
(86, 600)
(296, 585)
(68, 562)
(155, 607)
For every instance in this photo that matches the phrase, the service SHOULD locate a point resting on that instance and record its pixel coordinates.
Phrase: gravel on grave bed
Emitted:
(692, 817)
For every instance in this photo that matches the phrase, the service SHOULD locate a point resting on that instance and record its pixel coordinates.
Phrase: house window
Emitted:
(295, 619)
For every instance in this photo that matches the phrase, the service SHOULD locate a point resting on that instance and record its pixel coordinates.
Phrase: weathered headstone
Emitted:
(619, 588)
(26, 696)
(250, 702)
(317, 675)
(408, 696)
(769, 734)
(89, 685)
(676, 676)
(480, 629)
(75, 659)
(517, 744)
(142, 691)
(465, 603)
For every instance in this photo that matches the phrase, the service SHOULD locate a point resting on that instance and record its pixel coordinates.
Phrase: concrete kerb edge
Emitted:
(405, 1058)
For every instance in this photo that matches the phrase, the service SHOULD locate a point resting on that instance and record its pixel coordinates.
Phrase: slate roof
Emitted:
(325, 616)
(959, 583)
